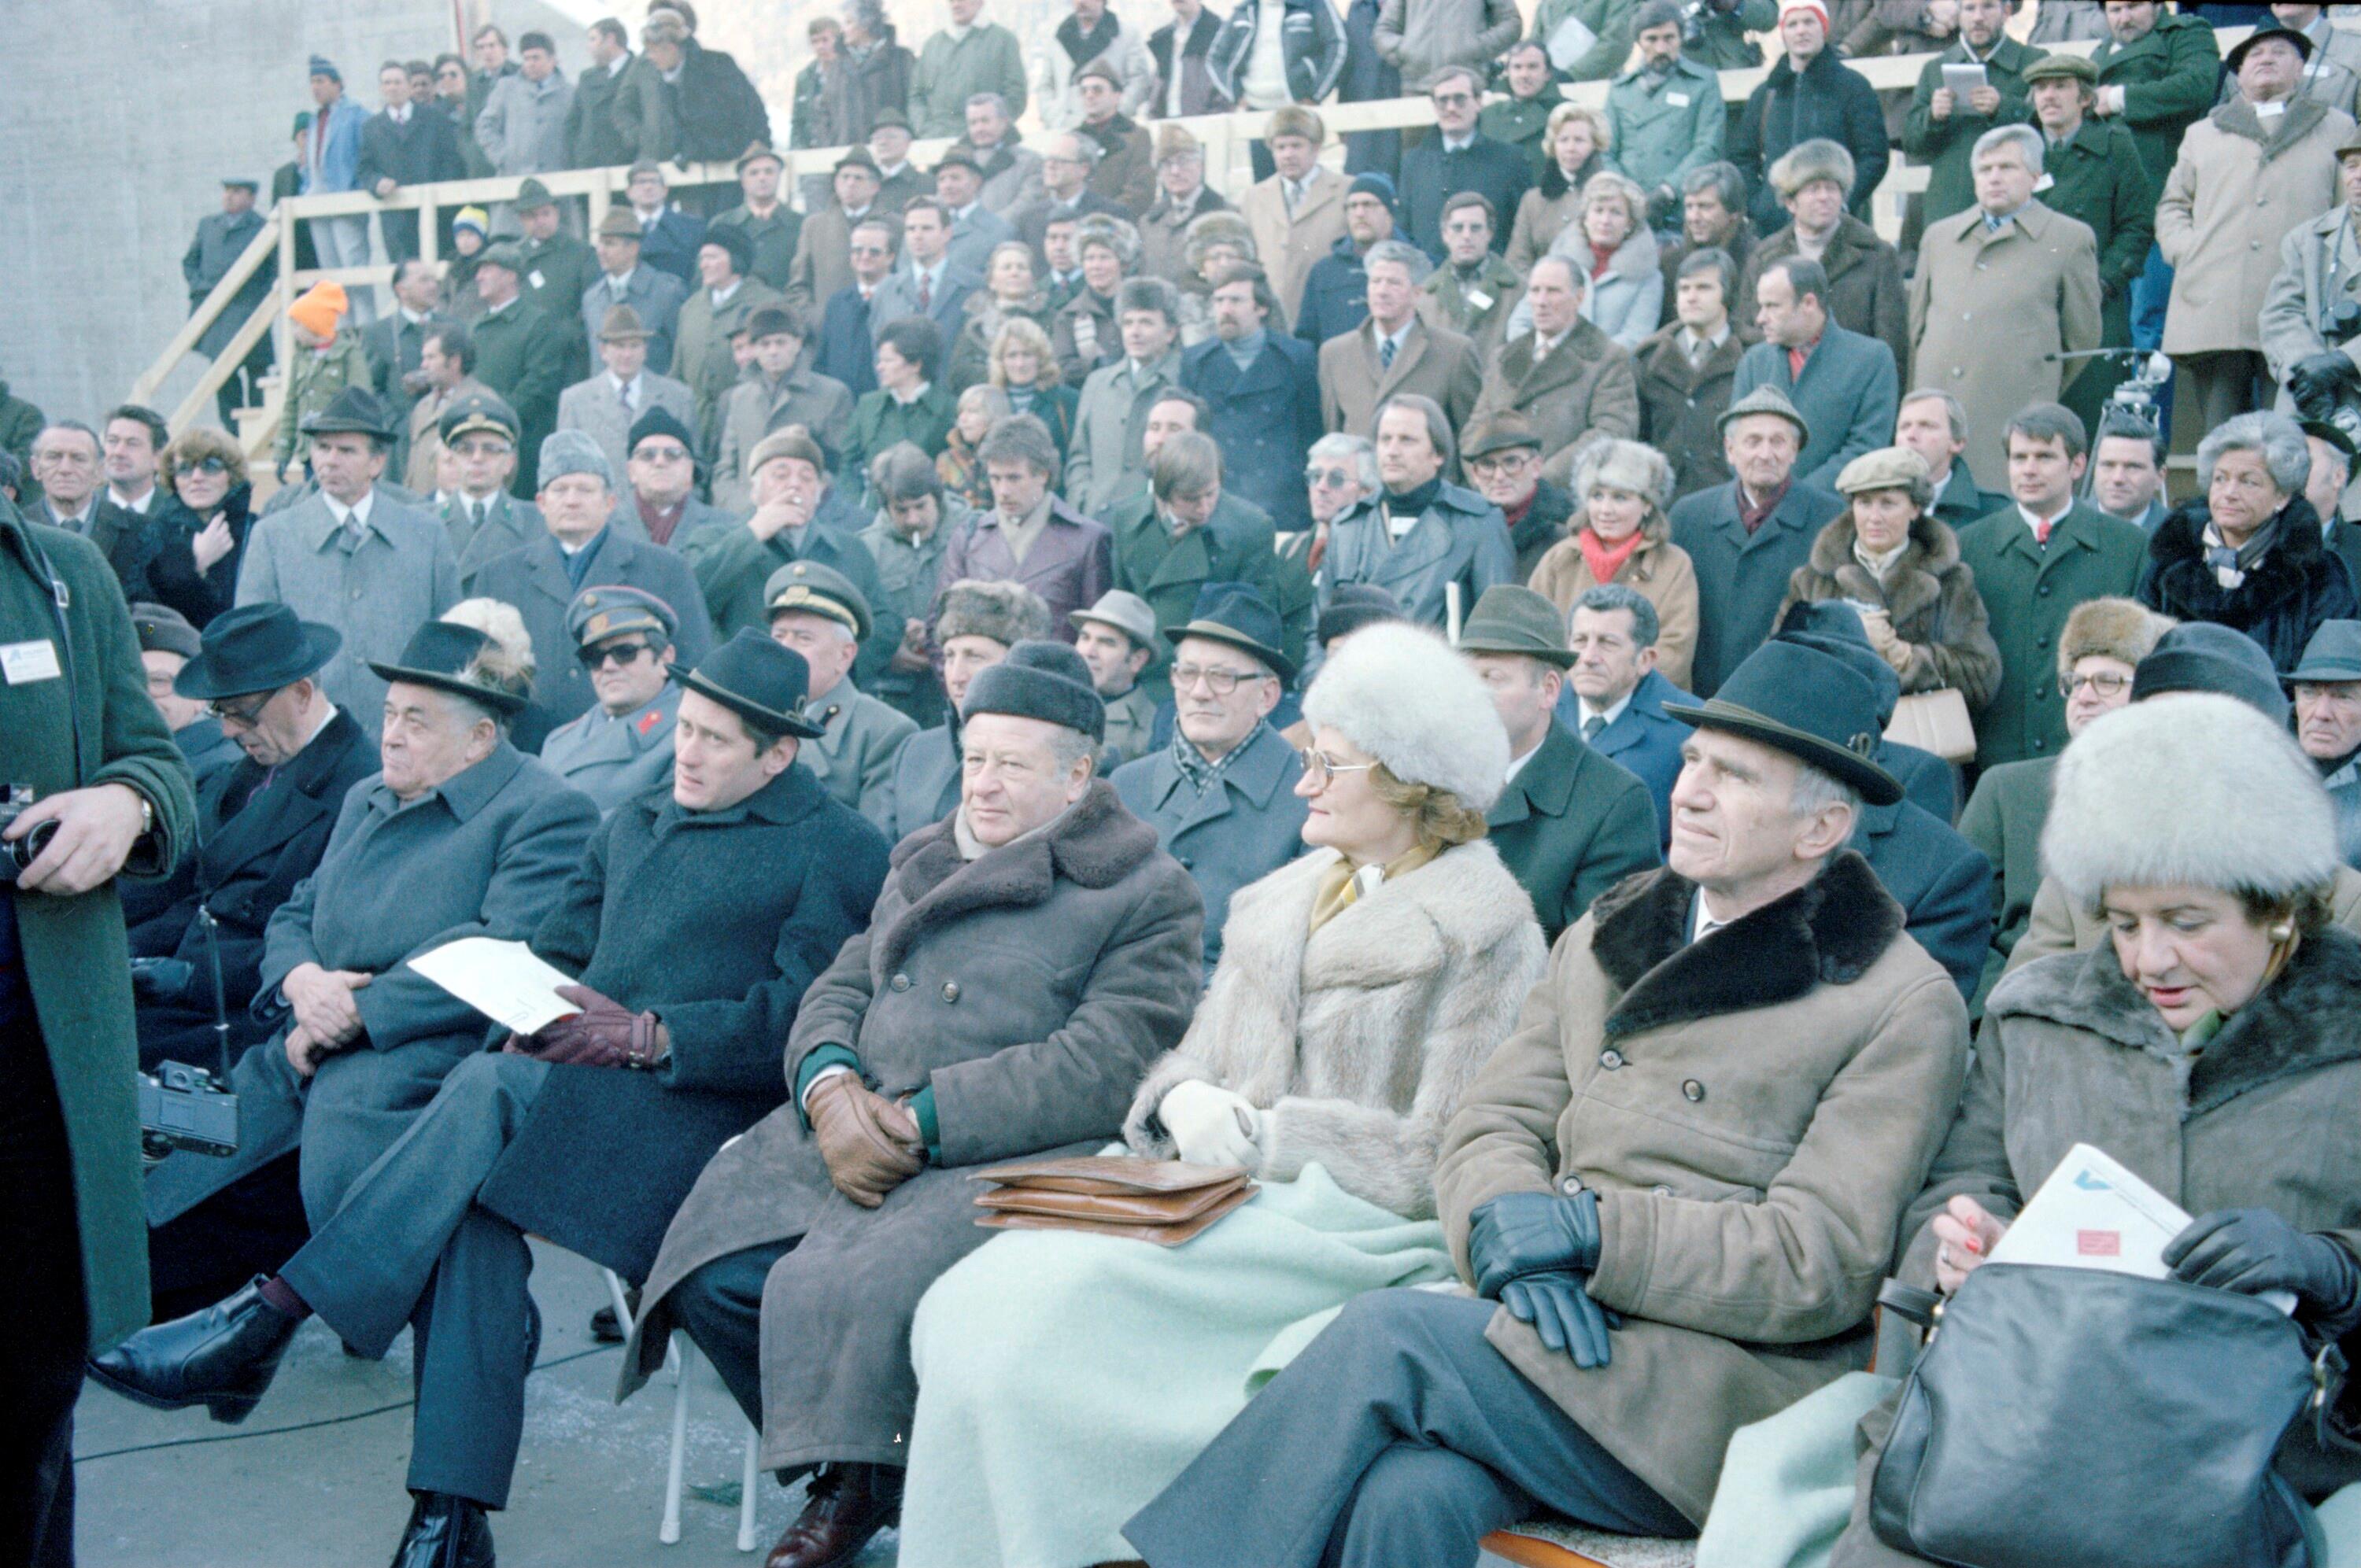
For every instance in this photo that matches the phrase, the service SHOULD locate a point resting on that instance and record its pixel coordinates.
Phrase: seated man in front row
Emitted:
(1029, 956)
(695, 922)
(1710, 1120)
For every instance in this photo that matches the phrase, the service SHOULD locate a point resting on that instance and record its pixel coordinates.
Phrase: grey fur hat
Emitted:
(1007, 612)
(2191, 788)
(564, 452)
(1402, 694)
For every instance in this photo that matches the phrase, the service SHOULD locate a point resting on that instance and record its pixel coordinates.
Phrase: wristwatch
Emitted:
(147, 815)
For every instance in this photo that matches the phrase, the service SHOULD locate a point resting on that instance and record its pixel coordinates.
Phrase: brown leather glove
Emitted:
(870, 1143)
(604, 1034)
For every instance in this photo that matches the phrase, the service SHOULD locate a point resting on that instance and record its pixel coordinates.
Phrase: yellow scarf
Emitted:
(1338, 890)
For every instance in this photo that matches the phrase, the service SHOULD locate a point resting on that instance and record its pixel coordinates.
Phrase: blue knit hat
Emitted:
(1373, 183)
(323, 66)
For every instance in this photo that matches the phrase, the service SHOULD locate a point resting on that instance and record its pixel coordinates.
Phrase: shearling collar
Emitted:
(1916, 582)
(1828, 932)
(2238, 118)
(1097, 844)
(2306, 1019)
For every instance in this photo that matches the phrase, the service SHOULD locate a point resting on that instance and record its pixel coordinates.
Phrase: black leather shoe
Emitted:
(445, 1531)
(848, 1505)
(222, 1357)
(605, 1327)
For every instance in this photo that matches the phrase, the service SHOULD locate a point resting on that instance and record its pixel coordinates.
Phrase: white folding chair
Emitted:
(681, 1356)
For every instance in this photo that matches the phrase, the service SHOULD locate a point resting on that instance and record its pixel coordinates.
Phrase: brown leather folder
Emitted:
(1164, 1201)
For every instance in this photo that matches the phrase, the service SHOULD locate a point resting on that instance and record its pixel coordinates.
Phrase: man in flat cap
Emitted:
(1747, 1032)
(485, 519)
(589, 1130)
(769, 223)
(778, 391)
(1029, 956)
(606, 406)
(558, 267)
(817, 610)
(352, 558)
(221, 238)
(625, 278)
(622, 745)
(2095, 177)
(520, 353)
(1571, 822)
(1116, 638)
(585, 544)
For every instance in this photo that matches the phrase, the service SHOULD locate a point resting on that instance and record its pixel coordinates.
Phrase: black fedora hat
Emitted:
(1807, 703)
(757, 679)
(356, 410)
(1237, 614)
(255, 648)
(2289, 36)
(439, 656)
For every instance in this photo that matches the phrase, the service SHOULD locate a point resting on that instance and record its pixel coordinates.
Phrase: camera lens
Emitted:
(22, 852)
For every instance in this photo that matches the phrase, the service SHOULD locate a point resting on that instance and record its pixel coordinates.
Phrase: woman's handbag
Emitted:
(1934, 721)
(2070, 1418)
(1162, 1201)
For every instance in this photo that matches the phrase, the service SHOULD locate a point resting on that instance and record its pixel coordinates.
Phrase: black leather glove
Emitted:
(2316, 382)
(1562, 1313)
(1525, 1233)
(2253, 1250)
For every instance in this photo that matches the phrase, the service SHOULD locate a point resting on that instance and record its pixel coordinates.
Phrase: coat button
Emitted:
(951, 991)
(1693, 1090)
(1570, 1186)
(901, 983)
(1188, 862)
(1610, 1060)
(2043, 591)
(1958, 371)
(1662, 1190)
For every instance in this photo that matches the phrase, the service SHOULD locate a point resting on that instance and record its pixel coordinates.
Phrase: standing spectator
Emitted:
(1181, 198)
(911, 403)
(1665, 116)
(1458, 157)
(663, 482)
(1615, 695)
(959, 61)
(558, 269)
(396, 342)
(606, 406)
(493, 66)
(1474, 293)
(351, 558)
(2249, 555)
(1086, 336)
(330, 154)
(1277, 54)
(1934, 424)
(326, 357)
(1335, 292)
(711, 110)
(823, 261)
(1184, 85)
(1394, 351)
(1067, 159)
(2331, 73)
(2034, 562)
(1263, 387)
(451, 80)
(445, 363)
(1031, 536)
(2013, 263)
(821, 114)
(1125, 172)
(287, 179)
(1421, 536)
(1844, 385)
(480, 515)
(848, 336)
(1809, 95)
(520, 353)
(772, 226)
(1944, 128)
(1724, 33)
(403, 144)
(1504, 465)
(1565, 376)
(1686, 370)
(1521, 119)
(2095, 177)
(1713, 217)
(1616, 248)
(1866, 293)
(716, 312)
(977, 230)
(1367, 76)
(221, 238)
(617, 116)
(877, 68)
(1746, 538)
(1587, 40)
(778, 390)
(2243, 181)
(2128, 473)
(522, 127)
(1092, 32)
(1103, 458)
(2159, 72)
(927, 284)
(624, 281)
(1298, 214)
(1576, 142)
(2315, 283)
(1621, 533)
(668, 236)
(1011, 171)
(1419, 37)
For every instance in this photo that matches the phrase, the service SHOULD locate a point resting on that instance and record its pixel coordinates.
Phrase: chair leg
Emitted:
(620, 1302)
(669, 1531)
(746, 1489)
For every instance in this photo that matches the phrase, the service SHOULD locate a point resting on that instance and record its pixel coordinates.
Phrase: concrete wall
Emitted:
(111, 151)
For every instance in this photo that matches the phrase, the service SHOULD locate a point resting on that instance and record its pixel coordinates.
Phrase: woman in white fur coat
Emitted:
(1064, 1380)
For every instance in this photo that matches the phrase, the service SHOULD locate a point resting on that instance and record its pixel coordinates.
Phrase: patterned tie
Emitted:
(1385, 354)
(2041, 528)
(624, 392)
(926, 294)
(1592, 726)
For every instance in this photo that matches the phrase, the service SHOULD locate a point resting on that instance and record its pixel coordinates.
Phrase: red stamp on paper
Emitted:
(2099, 1243)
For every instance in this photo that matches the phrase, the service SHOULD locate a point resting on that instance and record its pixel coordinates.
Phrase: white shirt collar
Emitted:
(630, 386)
(355, 517)
(724, 296)
(1516, 764)
(1609, 714)
(621, 61)
(140, 505)
(2034, 523)
(622, 282)
(916, 393)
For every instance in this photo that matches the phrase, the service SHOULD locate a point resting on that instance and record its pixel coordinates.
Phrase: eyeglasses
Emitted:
(2103, 682)
(200, 465)
(242, 713)
(621, 653)
(1334, 478)
(662, 454)
(1445, 100)
(1323, 769)
(1217, 679)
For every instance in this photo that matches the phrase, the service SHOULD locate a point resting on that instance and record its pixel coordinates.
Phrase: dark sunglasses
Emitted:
(200, 465)
(621, 653)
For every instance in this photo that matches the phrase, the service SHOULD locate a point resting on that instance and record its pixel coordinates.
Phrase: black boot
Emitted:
(222, 1357)
(445, 1531)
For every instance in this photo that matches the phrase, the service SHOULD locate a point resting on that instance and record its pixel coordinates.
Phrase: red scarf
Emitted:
(1600, 260)
(1605, 560)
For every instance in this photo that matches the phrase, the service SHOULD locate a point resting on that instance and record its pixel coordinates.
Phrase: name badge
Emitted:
(1479, 299)
(25, 662)
(2045, 183)
(536, 279)
(1677, 100)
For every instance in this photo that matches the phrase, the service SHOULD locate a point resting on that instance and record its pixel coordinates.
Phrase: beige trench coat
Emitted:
(1287, 246)
(1432, 362)
(2231, 198)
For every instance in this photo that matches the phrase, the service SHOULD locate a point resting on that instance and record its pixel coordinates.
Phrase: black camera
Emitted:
(15, 854)
(2344, 320)
(184, 1107)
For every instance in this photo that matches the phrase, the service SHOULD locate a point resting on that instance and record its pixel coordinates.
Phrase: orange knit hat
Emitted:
(320, 308)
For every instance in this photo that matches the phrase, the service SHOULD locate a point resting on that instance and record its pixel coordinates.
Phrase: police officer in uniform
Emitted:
(622, 745)
(816, 610)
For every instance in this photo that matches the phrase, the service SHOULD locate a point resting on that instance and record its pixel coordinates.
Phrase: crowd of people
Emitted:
(1483, 686)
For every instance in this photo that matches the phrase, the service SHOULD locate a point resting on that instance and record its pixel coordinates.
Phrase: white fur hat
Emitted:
(2189, 788)
(1398, 693)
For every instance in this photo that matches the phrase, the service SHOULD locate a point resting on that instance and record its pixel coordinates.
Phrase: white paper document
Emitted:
(1963, 80)
(2094, 1213)
(503, 981)
(1569, 41)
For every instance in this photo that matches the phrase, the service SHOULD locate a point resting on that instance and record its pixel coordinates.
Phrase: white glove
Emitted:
(1210, 1126)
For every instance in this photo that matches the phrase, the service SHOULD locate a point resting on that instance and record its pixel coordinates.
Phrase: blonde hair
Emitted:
(1439, 818)
(200, 442)
(1025, 333)
(1600, 136)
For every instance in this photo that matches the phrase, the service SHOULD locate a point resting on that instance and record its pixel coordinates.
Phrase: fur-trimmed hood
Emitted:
(2307, 1018)
(1828, 932)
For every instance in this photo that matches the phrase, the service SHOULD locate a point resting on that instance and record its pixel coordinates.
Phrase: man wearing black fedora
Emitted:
(589, 1132)
(1674, 1188)
(457, 834)
(351, 557)
(1222, 795)
(1571, 822)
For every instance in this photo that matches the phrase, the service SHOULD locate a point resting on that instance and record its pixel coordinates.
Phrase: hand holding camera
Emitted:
(72, 841)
